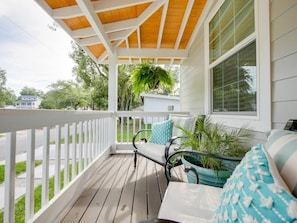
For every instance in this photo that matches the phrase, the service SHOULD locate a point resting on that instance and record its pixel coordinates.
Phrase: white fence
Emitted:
(71, 141)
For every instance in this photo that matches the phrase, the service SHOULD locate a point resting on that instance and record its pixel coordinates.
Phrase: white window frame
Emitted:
(262, 121)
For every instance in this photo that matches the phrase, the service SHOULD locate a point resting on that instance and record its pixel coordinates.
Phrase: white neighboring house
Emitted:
(159, 103)
(29, 102)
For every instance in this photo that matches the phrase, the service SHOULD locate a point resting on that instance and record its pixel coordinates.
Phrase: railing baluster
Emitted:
(80, 146)
(128, 128)
(93, 138)
(86, 143)
(90, 142)
(30, 174)
(66, 154)
(73, 150)
(97, 136)
(57, 159)
(121, 120)
(45, 166)
(10, 177)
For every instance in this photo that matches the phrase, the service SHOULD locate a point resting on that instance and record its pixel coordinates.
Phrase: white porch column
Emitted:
(113, 96)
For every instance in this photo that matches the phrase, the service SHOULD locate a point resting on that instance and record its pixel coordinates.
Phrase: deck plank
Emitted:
(81, 205)
(140, 197)
(120, 193)
(125, 206)
(110, 206)
(96, 205)
(153, 191)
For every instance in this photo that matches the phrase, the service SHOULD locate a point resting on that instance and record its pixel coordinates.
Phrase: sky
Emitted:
(32, 54)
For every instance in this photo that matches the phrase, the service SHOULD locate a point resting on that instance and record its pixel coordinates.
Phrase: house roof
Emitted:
(161, 31)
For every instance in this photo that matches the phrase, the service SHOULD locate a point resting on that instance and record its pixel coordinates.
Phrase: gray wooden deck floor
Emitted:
(120, 193)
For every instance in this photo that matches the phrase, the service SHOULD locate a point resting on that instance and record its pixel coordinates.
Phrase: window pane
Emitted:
(227, 38)
(232, 23)
(234, 82)
(244, 22)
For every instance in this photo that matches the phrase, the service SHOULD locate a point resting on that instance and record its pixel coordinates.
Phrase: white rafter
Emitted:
(152, 52)
(88, 10)
(99, 6)
(162, 23)
(184, 23)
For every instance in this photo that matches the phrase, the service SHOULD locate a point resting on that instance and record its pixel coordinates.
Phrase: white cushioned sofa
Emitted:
(262, 188)
(164, 138)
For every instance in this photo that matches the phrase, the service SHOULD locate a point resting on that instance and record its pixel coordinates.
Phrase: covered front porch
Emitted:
(109, 38)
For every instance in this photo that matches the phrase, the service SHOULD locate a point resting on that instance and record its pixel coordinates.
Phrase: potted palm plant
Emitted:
(209, 141)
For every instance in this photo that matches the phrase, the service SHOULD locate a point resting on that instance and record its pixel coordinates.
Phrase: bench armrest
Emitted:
(136, 135)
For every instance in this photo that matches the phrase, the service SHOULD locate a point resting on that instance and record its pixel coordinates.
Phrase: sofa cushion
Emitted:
(184, 202)
(161, 132)
(154, 151)
(282, 147)
(183, 121)
(246, 197)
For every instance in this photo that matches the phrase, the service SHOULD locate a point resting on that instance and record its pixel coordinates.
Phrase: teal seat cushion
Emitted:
(254, 193)
(161, 132)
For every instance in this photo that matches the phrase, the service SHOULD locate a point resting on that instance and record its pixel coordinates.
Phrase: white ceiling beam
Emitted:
(121, 25)
(154, 53)
(184, 23)
(67, 12)
(146, 14)
(107, 5)
(88, 10)
(83, 33)
(99, 6)
(109, 28)
(149, 11)
(162, 23)
(89, 41)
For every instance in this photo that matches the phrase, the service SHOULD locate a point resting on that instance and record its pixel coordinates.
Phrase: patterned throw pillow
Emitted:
(161, 132)
(282, 147)
(185, 122)
(247, 197)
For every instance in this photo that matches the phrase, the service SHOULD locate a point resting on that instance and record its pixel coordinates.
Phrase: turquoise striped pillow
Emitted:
(282, 147)
(185, 122)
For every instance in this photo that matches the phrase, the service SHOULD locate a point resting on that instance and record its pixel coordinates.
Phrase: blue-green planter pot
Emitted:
(206, 176)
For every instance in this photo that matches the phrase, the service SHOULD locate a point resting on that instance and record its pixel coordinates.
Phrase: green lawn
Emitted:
(19, 168)
(20, 204)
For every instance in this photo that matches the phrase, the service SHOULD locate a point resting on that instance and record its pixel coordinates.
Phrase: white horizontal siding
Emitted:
(281, 90)
(280, 7)
(280, 25)
(283, 61)
(284, 68)
(192, 79)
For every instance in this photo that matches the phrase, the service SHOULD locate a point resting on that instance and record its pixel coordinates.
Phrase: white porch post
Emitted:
(113, 97)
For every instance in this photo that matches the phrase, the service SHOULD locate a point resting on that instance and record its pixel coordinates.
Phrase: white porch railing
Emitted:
(81, 138)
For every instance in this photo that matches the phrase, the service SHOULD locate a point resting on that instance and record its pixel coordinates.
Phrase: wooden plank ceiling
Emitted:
(130, 30)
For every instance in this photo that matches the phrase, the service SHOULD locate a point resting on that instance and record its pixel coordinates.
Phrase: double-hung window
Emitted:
(237, 49)
(232, 59)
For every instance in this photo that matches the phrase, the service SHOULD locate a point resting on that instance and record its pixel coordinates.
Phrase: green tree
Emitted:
(147, 77)
(92, 76)
(126, 97)
(31, 91)
(65, 95)
(7, 96)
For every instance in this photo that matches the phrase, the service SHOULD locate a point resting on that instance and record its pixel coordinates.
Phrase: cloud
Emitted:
(32, 54)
